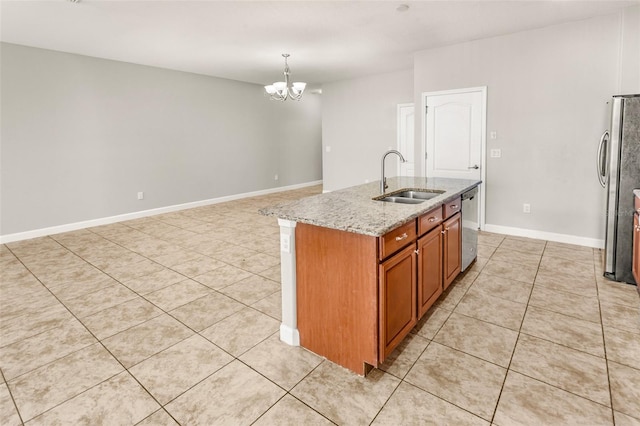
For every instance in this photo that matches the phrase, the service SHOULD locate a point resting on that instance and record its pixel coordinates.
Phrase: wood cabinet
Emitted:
(337, 295)
(452, 259)
(358, 296)
(396, 239)
(635, 263)
(636, 249)
(429, 269)
(429, 220)
(452, 207)
(397, 299)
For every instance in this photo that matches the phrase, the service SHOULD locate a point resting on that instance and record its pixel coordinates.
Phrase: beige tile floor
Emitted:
(174, 319)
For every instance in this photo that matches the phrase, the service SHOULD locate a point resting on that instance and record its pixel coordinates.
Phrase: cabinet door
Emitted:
(429, 269)
(452, 248)
(636, 249)
(397, 299)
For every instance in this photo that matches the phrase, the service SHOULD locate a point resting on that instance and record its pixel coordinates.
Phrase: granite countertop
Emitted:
(353, 210)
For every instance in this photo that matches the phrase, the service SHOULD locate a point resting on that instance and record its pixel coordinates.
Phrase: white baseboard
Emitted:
(43, 232)
(548, 236)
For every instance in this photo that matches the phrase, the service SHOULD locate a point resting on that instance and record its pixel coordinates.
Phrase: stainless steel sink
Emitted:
(422, 195)
(409, 196)
(401, 200)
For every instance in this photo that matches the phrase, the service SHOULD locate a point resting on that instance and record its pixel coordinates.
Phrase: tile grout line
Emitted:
(513, 351)
(604, 345)
(13, 400)
(288, 392)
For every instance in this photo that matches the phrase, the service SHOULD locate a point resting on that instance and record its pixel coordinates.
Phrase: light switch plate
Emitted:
(496, 153)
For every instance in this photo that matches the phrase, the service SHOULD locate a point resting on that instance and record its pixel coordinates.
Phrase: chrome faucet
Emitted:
(383, 179)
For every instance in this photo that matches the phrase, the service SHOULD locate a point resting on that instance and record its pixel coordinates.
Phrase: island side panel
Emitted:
(337, 289)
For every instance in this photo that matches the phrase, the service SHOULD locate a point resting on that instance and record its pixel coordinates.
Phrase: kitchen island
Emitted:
(357, 273)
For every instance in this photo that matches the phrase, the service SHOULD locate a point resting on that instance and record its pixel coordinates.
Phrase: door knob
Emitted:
(475, 166)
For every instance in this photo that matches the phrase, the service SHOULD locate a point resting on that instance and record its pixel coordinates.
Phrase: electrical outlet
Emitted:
(140, 195)
(493, 135)
(275, 177)
(526, 208)
(496, 153)
(285, 243)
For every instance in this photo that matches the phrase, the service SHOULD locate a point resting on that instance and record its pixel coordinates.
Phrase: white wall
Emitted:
(630, 51)
(547, 100)
(81, 136)
(359, 124)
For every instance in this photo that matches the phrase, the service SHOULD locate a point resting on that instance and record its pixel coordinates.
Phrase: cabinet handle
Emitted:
(637, 228)
(446, 229)
(432, 219)
(417, 251)
(402, 237)
(444, 232)
(454, 206)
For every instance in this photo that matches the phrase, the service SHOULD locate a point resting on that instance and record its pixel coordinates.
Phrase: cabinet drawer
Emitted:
(398, 238)
(429, 220)
(452, 207)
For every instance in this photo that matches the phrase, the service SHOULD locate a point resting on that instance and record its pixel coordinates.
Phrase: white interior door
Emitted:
(406, 135)
(454, 135)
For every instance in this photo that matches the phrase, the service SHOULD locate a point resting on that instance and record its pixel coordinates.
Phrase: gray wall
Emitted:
(81, 136)
(547, 100)
(359, 124)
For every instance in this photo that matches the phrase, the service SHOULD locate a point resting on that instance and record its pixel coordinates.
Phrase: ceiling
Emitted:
(243, 40)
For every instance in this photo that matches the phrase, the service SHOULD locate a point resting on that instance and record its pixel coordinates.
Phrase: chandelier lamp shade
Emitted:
(283, 90)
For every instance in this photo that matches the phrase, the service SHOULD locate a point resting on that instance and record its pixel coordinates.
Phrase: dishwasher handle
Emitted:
(470, 194)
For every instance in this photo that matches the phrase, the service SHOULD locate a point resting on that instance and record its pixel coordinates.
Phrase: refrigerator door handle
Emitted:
(601, 164)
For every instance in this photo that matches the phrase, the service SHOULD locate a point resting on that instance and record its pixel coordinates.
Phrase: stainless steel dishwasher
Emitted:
(470, 225)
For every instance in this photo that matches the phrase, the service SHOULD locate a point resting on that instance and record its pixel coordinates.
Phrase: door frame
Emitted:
(483, 139)
(398, 132)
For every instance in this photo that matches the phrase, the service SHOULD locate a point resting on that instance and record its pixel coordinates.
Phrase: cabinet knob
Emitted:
(454, 206)
(402, 237)
(432, 219)
(417, 251)
(443, 232)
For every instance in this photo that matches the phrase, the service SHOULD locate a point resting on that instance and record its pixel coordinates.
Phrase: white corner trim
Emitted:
(290, 336)
(43, 232)
(548, 236)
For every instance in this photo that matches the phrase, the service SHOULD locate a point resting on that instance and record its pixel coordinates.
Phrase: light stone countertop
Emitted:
(353, 210)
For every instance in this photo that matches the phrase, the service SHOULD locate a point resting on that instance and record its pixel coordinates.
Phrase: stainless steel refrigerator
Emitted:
(619, 173)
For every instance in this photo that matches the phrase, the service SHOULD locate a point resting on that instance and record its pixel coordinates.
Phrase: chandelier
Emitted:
(283, 90)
